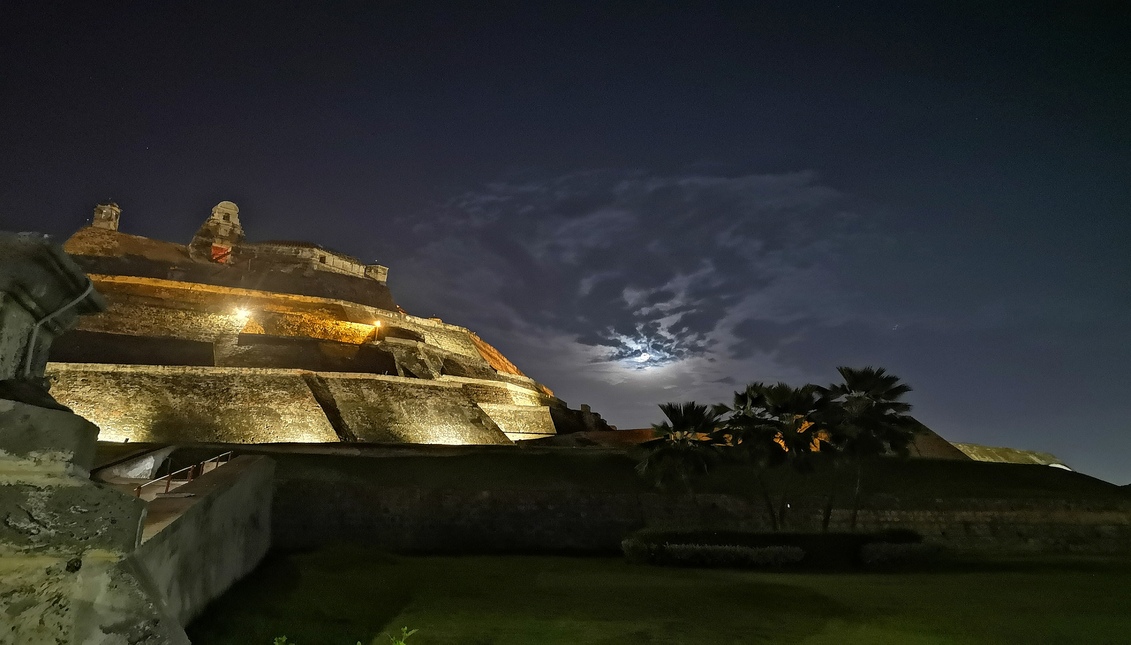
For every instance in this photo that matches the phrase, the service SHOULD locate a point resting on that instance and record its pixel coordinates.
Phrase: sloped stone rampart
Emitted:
(1007, 455)
(521, 422)
(391, 409)
(155, 403)
(208, 311)
(503, 391)
(448, 338)
(203, 313)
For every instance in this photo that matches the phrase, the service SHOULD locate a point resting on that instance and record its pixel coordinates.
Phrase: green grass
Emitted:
(342, 595)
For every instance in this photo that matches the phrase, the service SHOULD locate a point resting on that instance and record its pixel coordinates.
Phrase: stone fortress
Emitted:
(225, 340)
(207, 357)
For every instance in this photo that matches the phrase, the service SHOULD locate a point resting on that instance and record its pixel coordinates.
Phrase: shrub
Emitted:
(896, 554)
(710, 555)
(715, 555)
(747, 548)
(640, 551)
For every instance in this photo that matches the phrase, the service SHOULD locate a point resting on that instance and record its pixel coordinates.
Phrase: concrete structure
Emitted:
(316, 257)
(213, 532)
(487, 499)
(226, 340)
(67, 571)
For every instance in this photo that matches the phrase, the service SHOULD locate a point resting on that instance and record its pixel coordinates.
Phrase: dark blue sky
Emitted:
(739, 191)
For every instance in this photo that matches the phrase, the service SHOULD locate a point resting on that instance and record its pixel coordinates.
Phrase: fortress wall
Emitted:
(494, 357)
(101, 347)
(339, 502)
(320, 325)
(467, 499)
(455, 341)
(1002, 525)
(156, 403)
(466, 366)
(316, 258)
(501, 391)
(386, 408)
(151, 306)
(521, 421)
(159, 403)
(134, 318)
(247, 276)
(415, 519)
(205, 312)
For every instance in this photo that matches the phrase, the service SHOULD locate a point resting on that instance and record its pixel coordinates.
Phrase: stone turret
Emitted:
(218, 237)
(106, 216)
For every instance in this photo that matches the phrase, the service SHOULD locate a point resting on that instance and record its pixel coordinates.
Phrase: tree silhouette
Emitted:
(867, 418)
(685, 447)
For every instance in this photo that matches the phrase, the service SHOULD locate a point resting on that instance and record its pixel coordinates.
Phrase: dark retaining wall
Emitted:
(308, 514)
(325, 499)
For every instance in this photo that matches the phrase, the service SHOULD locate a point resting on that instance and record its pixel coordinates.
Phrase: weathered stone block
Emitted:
(392, 409)
(179, 404)
(69, 518)
(521, 421)
(43, 438)
(96, 599)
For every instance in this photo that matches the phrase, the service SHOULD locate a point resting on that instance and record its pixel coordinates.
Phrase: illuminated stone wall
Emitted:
(160, 403)
(156, 403)
(503, 392)
(521, 421)
(222, 364)
(316, 257)
(165, 308)
(392, 409)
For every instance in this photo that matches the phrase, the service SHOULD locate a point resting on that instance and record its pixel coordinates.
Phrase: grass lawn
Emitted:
(340, 595)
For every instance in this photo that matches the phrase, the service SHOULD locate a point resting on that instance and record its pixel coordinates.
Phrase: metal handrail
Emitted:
(194, 471)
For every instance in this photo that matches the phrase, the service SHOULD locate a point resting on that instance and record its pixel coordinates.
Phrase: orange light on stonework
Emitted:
(376, 323)
(242, 313)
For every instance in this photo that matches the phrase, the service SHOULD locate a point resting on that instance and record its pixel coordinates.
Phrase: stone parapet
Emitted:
(45, 440)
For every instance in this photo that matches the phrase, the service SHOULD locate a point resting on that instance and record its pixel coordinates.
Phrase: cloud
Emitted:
(627, 289)
(628, 276)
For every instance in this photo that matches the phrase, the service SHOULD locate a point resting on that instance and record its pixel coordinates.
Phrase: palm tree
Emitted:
(770, 425)
(685, 447)
(867, 418)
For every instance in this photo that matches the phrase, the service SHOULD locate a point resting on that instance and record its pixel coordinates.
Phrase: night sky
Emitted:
(646, 202)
